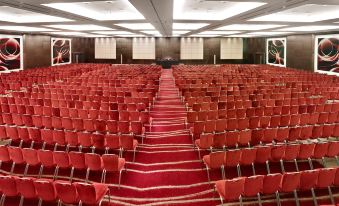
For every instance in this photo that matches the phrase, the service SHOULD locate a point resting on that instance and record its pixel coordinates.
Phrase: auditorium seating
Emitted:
(271, 153)
(58, 159)
(51, 191)
(272, 184)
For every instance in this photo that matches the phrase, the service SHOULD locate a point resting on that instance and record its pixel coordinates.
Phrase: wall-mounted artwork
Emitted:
(326, 54)
(61, 51)
(276, 52)
(11, 53)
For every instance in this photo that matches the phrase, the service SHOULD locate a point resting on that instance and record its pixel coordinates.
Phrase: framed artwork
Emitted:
(276, 51)
(11, 53)
(326, 54)
(61, 50)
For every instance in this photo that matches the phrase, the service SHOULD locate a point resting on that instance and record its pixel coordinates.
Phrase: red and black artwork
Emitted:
(276, 52)
(328, 54)
(61, 51)
(10, 53)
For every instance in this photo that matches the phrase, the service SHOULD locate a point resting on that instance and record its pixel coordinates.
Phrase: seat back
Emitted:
(248, 156)
(61, 159)
(110, 162)
(290, 181)
(30, 156)
(46, 158)
(272, 183)
(326, 177)
(232, 158)
(253, 185)
(66, 192)
(8, 186)
(308, 179)
(91, 193)
(25, 187)
(216, 159)
(77, 160)
(15, 154)
(45, 190)
(234, 188)
(93, 161)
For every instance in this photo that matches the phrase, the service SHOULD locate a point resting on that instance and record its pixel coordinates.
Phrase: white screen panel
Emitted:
(105, 48)
(231, 48)
(143, 48)
(192, 48)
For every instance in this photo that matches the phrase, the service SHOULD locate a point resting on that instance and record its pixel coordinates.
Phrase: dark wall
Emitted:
(37, 51)
(300, 52)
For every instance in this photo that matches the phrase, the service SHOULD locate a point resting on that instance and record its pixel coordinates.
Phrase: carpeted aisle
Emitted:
(166, 170)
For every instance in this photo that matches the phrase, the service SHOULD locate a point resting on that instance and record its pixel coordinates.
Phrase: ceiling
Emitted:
(137, 18)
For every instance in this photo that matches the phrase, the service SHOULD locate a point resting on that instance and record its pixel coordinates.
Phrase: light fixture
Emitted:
(310, 28)
(131, 35)
(269, 33)
(219, 32)
(79, 27)
(113, 32)
(68, 33)
(16, 15)
(249, 27)
(242, 35)
(100, 10)
(189, 26)
(204, 35)
(25, 28)
(179, 32)
(304, 13)
(210, 10)
(152, 32)
(137, 26)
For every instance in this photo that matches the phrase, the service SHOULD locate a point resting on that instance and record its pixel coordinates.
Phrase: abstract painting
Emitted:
(10, 53)
(276, 51)
(326, 52)
(61, 51)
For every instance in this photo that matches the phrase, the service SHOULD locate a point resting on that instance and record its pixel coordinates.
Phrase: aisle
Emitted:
(166, 170)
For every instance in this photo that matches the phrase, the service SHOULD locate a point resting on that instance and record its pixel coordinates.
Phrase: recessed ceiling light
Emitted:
(204, 35)
(269, 33)
(210, 10)
(137, 26)
(179, 32)
(24, 28)
(131, 35)
(309, 28)
(113, 32)
(242, 35)
(152, 32)
(304, 13)
(79, 27)
(219, 32)
(249, 27)
(11, 14)
(68, 33)
(100, 10)
(190, 26)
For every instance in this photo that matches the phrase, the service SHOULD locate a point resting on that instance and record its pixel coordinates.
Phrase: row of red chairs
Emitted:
(274, 121)
(229, 139)
(69, 139)
(193, 116)
(270, 153)
(235, 102)
(62, 160)
(48, 114)
(51, 191)
(116, 104)
(307, 106)
(295, 112)
(274, 184)
(134, 126)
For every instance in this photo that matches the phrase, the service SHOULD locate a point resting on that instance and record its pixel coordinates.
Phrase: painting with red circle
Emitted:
(61, 51)
(328, 54)
(276, 51)
(10, 53)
